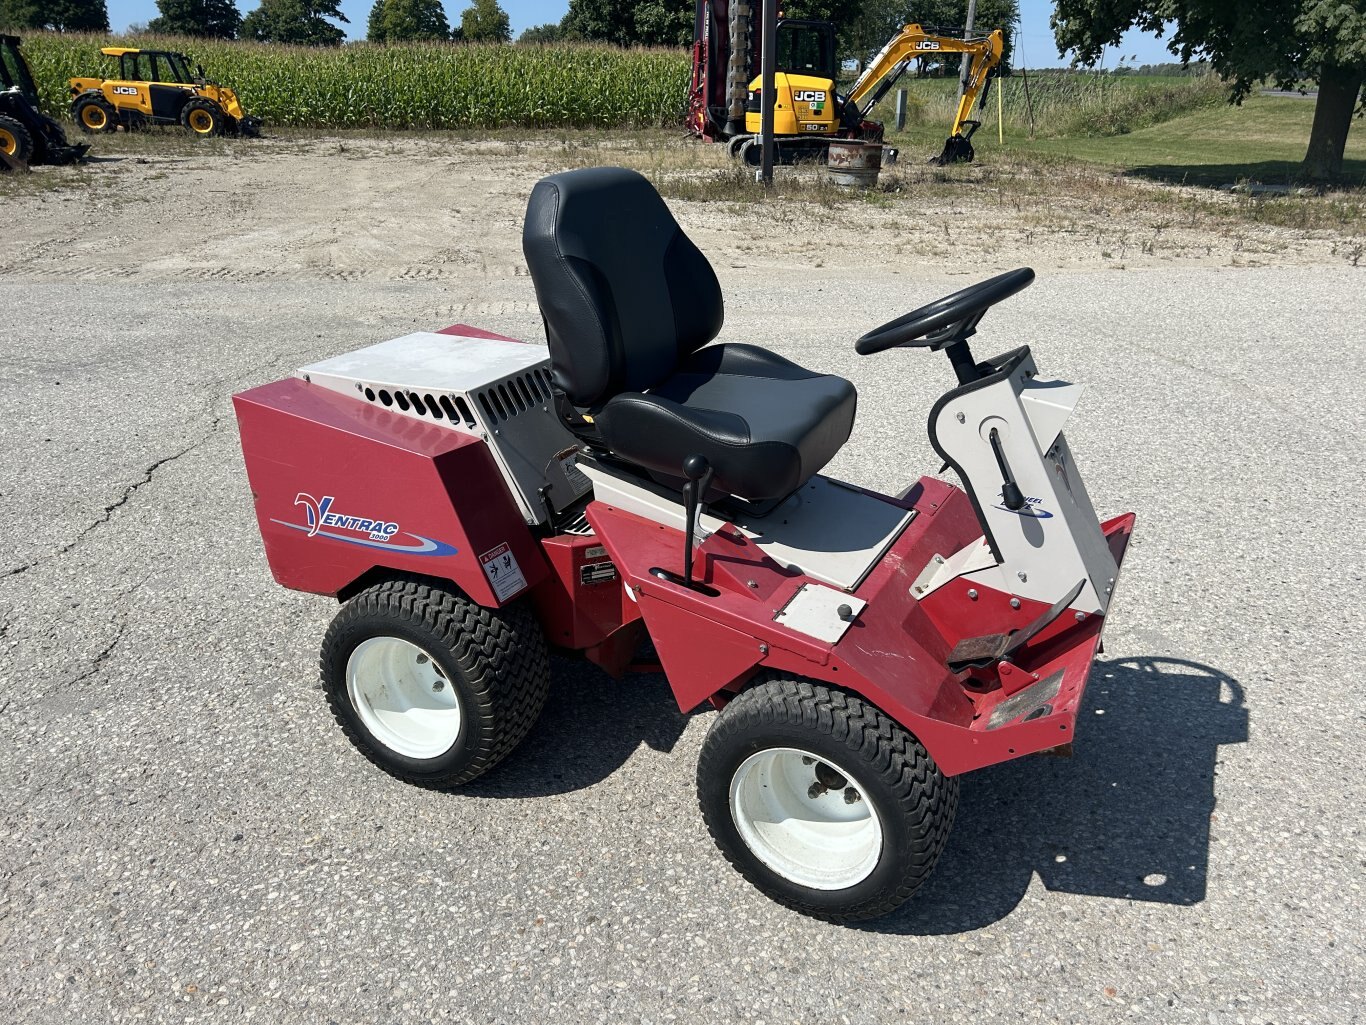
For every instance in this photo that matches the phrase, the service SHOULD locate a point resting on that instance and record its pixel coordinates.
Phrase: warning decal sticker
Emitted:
(505, 576)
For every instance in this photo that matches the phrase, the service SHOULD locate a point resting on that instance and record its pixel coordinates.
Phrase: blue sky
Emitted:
(1035, 37)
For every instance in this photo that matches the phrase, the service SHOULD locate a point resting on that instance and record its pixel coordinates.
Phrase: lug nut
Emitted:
(438, 685)
(852, 796)
(817, 789)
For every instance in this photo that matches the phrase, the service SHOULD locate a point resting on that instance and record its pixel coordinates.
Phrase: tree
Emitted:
(630, 22)
(304, 22)
(295, 21)
(548, 33)
(663, 23)
(56, 15)
(606, 21)
(1245, 41)
(485, 22)
(212, 19)
(393, 21)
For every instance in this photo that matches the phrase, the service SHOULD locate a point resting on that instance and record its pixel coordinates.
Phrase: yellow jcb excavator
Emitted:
(724, 101)
(913, 41)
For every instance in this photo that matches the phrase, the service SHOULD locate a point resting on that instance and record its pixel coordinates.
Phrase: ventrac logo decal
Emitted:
(320, 520)
(809, 95)
(927, 44)
(1033, 508)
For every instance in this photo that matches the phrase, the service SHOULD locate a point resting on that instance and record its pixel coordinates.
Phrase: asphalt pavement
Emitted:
(187, 836)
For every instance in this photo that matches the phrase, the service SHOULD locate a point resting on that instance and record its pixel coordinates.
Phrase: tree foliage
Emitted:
(485, 22)
(630, 22)
(210, 19)
(307, 22)
(1246, 41)
(57, 15)
(393, 21)
(547, 33)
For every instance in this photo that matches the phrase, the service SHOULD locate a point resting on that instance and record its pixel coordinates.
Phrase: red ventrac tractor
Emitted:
(472, 500)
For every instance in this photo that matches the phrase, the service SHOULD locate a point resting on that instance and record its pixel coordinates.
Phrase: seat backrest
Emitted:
(623, 292)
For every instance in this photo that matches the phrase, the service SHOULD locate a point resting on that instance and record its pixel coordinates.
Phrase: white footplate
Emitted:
(820, 612)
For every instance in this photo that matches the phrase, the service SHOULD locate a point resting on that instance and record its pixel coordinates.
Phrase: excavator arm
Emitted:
(914, 41)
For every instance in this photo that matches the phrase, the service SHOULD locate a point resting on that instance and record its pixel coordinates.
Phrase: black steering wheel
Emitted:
(931, 325)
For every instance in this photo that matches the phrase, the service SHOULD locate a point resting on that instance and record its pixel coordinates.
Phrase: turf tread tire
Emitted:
(500, 656)
(921, 799)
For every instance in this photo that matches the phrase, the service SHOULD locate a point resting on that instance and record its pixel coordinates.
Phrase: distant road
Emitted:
(1293, 94)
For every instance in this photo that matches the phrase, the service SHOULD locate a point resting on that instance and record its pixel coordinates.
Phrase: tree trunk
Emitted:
(1338, 88)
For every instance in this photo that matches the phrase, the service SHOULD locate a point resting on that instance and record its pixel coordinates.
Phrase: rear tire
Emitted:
(95, 114)
(203, 119)
(866, 834)
(431, 687)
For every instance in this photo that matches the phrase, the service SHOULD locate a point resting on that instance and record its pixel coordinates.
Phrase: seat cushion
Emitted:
(764, 423)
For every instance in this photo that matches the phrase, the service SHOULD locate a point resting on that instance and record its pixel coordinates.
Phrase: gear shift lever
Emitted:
(699, 473)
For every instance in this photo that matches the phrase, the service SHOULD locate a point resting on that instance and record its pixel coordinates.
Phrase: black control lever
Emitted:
(1011, 496)
(699, 473)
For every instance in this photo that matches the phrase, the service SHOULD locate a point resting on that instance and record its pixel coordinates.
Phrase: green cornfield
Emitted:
(420, 85)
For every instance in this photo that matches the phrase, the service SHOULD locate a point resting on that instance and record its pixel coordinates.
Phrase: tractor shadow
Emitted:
(590, 727)
(1128, 818)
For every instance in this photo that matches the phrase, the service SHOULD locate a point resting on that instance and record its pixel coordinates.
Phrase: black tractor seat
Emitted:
(629, 304)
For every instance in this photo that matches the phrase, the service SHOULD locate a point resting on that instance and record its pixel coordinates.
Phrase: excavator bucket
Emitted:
(957, 150)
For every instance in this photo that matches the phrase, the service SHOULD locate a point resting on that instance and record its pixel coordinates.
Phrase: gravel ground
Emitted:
(187, 837)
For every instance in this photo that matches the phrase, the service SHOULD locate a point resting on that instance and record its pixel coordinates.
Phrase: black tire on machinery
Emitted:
(214, 110)
(496, 659)
(735, 143)
(914, 800)
(111, 116)
(23, 140)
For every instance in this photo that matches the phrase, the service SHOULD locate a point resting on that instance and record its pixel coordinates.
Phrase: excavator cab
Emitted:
(806, 48)
(804, 81)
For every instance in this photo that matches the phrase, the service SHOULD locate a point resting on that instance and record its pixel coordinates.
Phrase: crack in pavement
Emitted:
(104, 653)
(214, 387)
(108, 512)
(102, 656)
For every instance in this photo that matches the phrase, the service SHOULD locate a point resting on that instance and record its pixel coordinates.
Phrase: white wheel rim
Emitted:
(403, 697)
(818, 838)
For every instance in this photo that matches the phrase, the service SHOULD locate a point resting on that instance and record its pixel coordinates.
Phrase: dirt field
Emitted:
(403, 208)
(186, 836)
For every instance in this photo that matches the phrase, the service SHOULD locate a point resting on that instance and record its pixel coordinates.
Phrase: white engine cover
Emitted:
(496, 390)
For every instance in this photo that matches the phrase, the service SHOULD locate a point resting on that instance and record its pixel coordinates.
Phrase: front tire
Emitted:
(203, 119)
(15, 140)
(431, 687)
(823, 802)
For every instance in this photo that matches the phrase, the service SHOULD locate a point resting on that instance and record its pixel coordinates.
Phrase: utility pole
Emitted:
(770, 90)
(967, 62)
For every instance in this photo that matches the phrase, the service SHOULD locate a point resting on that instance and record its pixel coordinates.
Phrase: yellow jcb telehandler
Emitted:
(155, 87)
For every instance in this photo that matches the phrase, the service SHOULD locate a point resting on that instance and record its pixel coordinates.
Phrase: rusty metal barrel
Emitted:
(854, 162)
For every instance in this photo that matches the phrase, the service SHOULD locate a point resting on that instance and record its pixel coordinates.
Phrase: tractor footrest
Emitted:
(978, 652)
(988, 649)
